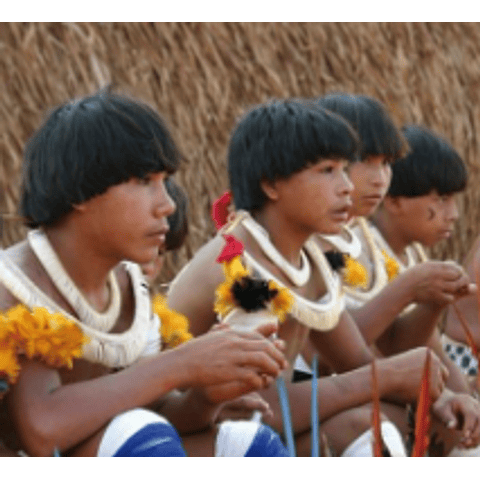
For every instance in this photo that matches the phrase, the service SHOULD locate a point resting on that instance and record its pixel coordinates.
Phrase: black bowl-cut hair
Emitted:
(279, 138)
(377, 131)
(432, 164)
(86, 146)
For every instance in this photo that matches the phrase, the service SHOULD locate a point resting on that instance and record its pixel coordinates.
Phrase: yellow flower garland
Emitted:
(50, 337)
(354, 273)
(391, 265)
(174, 325)
(233, 270)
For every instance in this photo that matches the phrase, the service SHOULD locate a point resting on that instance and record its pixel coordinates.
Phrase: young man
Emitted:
(94, 191)
(376, 306)
(177, 230)
(424, 186)
(286, 163)
(432, 285)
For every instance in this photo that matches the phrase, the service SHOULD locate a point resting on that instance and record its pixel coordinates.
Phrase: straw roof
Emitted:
(201, 77)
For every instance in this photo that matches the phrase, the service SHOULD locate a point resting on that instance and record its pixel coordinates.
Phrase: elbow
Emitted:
(39, 436)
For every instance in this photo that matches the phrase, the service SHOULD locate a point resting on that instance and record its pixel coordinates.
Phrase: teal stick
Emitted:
(286, 417)
(314, 410)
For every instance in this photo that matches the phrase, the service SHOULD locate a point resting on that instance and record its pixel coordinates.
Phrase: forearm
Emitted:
(188, 411)
(336, 393)
(411, 330)
(378, 314)
(62, 416)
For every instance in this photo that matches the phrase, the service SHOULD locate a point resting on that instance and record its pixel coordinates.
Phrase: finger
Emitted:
(457, 285)
(267, 330)
(267, 348)
(261, 362)
(220, 326)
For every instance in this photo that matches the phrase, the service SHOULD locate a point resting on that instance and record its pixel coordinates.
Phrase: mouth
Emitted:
(373, 198)
(342, 214)
(445, 233)
(159, 235)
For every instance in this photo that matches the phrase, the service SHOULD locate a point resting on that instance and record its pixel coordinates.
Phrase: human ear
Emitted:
(269, 189)
(79, 207)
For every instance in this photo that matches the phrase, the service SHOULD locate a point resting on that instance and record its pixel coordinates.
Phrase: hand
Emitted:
(460, 411)
(439, 282)
(405, 370)
(228, 363)
(243, 408)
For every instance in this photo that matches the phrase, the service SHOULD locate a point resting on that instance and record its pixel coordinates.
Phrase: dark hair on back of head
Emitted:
(378, 134)
(88, 145)
(431, 164)
(177, 221)
(279, 138)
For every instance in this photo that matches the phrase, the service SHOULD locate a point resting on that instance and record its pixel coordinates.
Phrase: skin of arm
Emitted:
(432, 285)
(343, 346)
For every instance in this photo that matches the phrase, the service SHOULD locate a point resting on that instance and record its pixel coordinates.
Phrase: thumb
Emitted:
(447, 416)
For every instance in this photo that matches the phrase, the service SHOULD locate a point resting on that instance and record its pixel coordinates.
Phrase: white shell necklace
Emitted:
(46, 255)
(114, 350)
(353, 246)
(322, 314)
(298, 277)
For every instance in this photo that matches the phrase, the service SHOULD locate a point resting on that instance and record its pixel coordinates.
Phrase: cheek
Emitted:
(356, 176)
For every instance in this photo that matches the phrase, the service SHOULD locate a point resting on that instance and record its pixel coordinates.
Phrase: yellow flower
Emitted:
(234, 269)
(391, 265)
(224, 300)
(174, 325)
(354, 273)
(9, 366)
(39, 334)
(282, 303)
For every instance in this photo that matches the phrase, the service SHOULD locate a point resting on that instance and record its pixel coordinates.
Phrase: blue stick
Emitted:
(286, 417)
(315, 419)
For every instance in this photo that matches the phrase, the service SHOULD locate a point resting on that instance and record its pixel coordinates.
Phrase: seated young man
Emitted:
(94, 193)
(377, 304)
(286, 164)
(177, 230)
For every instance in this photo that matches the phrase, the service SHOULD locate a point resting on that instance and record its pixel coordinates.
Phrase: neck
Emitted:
(287, 239)
(391, 231)
(87, 267)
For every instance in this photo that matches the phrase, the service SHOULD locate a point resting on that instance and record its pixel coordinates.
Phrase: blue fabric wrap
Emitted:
(266, 443)
(154, 440)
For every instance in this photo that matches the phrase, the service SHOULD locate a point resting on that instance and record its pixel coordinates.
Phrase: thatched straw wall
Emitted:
(202, 76)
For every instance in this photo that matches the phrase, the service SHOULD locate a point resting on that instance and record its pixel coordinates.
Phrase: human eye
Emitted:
(146, 180)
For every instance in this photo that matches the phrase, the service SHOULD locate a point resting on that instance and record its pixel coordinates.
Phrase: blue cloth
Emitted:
(266, 443)
(153, 440)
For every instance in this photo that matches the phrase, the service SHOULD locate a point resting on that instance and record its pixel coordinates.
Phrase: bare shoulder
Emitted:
(203, 265)
(192, 292)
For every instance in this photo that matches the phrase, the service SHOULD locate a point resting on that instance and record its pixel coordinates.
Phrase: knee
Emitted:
(140, 433)
(248, 439)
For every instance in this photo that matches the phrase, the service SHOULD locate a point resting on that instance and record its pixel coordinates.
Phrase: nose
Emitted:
(452, 211)
(346, 185)
(380, 175)
(164, 205)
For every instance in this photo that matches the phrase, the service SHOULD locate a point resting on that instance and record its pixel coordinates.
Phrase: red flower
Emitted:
(232, 249)
(220, 209)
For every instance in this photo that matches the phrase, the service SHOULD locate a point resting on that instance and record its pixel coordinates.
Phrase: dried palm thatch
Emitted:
(201, 77)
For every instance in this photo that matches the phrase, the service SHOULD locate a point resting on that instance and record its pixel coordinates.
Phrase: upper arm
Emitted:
(343, 347)
(192, 292)
(28, 402)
